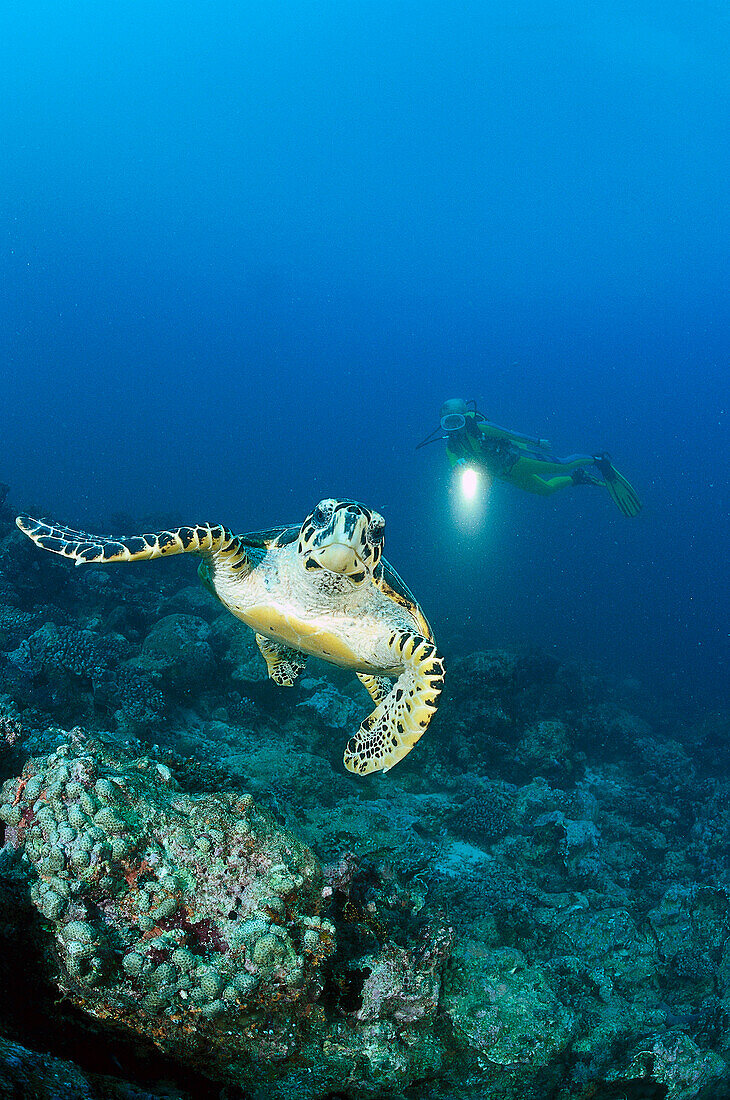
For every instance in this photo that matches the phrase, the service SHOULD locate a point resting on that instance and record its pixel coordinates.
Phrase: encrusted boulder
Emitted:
(675, 1064)
(333, 708)
(197, 923)
(611, 939)
(236, 643)
(545, 749)
(505, 1009)
(193, 921)
(178, 649)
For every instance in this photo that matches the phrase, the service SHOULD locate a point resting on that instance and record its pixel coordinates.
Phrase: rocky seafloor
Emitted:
(196, 900)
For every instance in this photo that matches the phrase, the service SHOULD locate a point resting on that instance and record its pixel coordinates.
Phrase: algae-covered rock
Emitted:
(31, 1075)
(178, 649)
(334, 709)
(696, 916)
(237, 644)
(545, 749)
(197, 922)
(611, 939)
(189, 919)
(192, 600)
(506, 1009)
(675, 1062)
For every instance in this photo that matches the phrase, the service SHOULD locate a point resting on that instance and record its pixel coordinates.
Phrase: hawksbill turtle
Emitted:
(321, 588)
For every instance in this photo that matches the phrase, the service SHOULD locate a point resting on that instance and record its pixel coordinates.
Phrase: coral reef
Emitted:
(194, 896)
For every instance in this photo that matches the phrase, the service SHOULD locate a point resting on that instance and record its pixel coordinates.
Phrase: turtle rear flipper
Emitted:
(283, 662)
(85, 549)
(401, 718)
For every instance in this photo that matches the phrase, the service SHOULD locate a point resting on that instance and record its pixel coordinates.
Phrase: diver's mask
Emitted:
(452, 422)
(452, 419)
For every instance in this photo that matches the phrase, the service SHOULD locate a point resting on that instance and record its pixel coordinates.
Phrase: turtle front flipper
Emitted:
(378, 687)
(401, 718)
(84, 548)
(284, 664)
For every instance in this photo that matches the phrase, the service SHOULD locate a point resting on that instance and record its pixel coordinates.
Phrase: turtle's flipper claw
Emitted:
(401, 718)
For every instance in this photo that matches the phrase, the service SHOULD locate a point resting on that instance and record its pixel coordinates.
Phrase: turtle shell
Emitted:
(271, 537)
(392, 585)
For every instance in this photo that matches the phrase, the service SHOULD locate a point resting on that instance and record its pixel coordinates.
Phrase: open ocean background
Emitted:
(246, 251)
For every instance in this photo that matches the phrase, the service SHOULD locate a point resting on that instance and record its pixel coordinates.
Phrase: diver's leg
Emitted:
(553, 467)
(529, 474)
(543, 487)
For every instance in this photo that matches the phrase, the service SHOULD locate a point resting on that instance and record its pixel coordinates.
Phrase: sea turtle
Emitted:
(322, 588)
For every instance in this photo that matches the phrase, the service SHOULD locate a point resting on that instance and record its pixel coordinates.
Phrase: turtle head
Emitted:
(344, 537)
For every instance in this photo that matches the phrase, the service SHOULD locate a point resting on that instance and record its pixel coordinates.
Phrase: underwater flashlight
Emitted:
(468, 483)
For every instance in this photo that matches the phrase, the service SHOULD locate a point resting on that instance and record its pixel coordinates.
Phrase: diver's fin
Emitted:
(621, 492)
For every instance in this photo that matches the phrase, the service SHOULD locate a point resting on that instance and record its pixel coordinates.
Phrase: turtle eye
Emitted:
(321, 514)
(376, 532)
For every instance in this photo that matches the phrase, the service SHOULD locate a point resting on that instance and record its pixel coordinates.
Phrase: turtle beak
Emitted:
(338, 557)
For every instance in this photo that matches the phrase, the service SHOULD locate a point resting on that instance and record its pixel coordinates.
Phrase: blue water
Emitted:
(247, 250)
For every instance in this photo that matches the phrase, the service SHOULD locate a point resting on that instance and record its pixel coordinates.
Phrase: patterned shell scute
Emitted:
(272, 537)
(394, 586)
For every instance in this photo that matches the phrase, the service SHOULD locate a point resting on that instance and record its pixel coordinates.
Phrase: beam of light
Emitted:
(469, 483)
(470, 492)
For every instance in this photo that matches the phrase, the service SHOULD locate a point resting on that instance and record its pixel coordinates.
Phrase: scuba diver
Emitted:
(473, 441)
